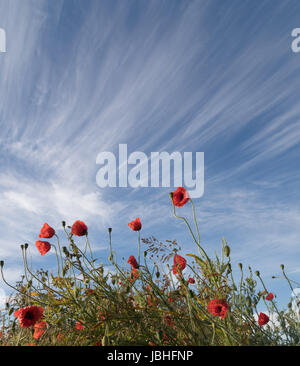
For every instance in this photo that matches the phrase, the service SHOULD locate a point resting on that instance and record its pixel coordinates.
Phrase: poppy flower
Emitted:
(168, 321)
(79, 228)
(43, 246)
(191, 280)
(79, 326)
(29, 315)
(135, 274)
(136, 224)
(218, 307)
(132, 261)
(270, 296)
(46, 231)
(39, 329)
(263, 319)
(179, 264)
(180, 197)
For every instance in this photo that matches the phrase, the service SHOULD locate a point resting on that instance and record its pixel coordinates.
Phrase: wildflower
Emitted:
(135, 274)
(191, 280)
(79, 326)
(263, 319)
(218, 307)
(1, 334)
(29, 315)
(43, 246)
(59, 336)
(29, 344)
(168, 321)
(136, 224)
(149, 301)
(132, 261)
(170, 299)
(180, 197)
(270, 296)
(79, 228)
(151, 344)
(46, 231)
(39, 329)
(179, 264)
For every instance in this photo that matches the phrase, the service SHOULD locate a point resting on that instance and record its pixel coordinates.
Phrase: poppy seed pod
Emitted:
(109, 229)
(227, 251)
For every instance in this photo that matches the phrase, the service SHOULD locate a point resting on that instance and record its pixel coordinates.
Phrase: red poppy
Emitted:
(132, 261)
(43, 246)
(149, 301)
(270, 296)
(179, 264)
(136, 224)
(135, 274)
(79, 326)
(218, 307)
(29, 315)
(79, 228)
(180, 197)
(168, 321)
(263, 319)
(191, 280)
(39, 329)
(46, 231)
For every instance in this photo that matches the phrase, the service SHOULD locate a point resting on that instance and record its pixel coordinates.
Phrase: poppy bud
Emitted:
(157, 274)
(289, 305)
(145, 253)
(282, 266)
(248, 302)
(22, 246)
(11, 310)
(25, 246)
(110, 258)
(257, 273)
(109, 229)
(241, 266)
(227, 251)
(1, 263)
(63, 223)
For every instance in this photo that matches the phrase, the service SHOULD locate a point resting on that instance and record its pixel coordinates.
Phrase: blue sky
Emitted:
(80, 77)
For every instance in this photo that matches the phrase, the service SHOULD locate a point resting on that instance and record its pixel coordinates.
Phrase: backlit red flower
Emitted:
(179, 264)
(135, 275)
(180, 197)
(191, 280)
(79, 326)
(270, 296)
(132, 261)
(46, 231)
(79, 228)
(43, 246)
(136, 224)
(218, 307)
(263, 319)
(29, 315)
(39, 329)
